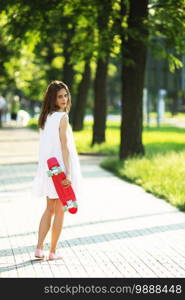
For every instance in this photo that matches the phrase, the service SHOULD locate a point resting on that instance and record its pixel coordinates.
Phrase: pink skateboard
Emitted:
(66, 194)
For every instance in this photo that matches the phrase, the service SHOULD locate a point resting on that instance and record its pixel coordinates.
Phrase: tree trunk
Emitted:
(100, 103)
(49, 58)
(68, 71)
(134, 52)
(1, 114)
(175, 104)
(81, 99)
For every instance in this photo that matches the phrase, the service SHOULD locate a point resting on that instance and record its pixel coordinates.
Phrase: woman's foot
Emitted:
(39, 253)
(53, 256)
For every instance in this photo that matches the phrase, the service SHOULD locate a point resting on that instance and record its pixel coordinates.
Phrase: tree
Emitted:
(147, 25)
(60, 25)
(134, 52)
(100, 99)
(81, 99)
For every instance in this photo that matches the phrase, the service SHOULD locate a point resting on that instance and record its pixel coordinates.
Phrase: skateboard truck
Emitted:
(55, 171)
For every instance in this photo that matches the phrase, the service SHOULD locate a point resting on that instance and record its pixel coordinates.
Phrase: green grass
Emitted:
(83, 140)
(164, 139)
(33, 124)
(169, 115)
(161, 171)
(161, 175)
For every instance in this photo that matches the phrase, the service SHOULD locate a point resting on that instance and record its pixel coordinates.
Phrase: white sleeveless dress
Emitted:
(50, 146)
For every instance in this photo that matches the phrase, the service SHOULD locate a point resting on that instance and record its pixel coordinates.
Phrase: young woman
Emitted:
(56, 140)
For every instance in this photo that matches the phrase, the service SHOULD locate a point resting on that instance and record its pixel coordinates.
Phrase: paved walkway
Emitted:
(119, 231)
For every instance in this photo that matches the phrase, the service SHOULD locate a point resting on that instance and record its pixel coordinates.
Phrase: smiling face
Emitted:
(62, 99)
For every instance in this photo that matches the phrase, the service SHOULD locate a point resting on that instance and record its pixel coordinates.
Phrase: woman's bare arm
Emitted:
(64, 146)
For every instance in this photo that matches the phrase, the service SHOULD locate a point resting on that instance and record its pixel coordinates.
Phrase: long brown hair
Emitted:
(49, 104)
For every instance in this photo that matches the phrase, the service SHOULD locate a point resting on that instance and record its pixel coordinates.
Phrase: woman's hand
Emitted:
(66, 182)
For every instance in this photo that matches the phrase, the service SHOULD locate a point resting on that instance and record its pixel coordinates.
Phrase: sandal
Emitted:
(39, 253)
(53, 256)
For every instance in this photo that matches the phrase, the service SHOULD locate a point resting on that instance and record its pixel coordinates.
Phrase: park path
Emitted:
(119, 231)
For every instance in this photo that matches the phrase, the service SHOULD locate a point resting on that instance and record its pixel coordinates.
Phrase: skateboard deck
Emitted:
(65, 194)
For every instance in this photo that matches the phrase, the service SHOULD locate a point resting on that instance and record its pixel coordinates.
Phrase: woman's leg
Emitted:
(45, 222)
(57, 225)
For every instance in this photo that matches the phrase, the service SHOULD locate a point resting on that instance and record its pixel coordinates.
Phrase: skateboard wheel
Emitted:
(73, 210)
(49, 173)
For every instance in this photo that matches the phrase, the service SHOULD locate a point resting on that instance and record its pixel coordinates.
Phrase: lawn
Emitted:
(161, 171)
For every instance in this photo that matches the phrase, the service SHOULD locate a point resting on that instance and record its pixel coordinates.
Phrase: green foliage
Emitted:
(33, 35)
(33, 124)
(166, 25)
